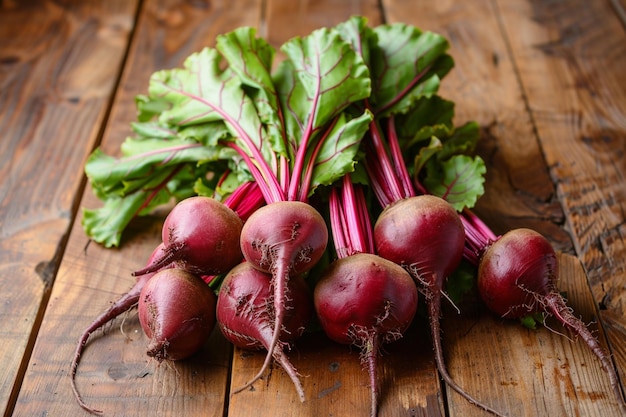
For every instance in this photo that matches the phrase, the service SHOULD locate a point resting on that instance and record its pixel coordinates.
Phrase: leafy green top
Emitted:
(227, 117)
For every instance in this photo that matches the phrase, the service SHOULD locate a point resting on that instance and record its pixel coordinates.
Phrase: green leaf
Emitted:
(149, 107)
(458, 180)
(428, 117)
(251, 58)
(105, 224)
(461, 140)
(145, 159)
(153, 130)
(426, 153)
(203, 92)
(530, 321)
(356, 31)
(406, 64)
(322, 76)
(337, 156)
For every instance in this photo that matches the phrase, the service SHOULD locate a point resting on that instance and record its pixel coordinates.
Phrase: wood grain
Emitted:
(579, 50)
(334, 378)
(530, 372)
(486, 87)
(54, 96)
(336, 382)
(543, 79)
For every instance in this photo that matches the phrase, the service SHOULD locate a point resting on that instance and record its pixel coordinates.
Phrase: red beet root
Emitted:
(518, 276)
(285, 238)
(177, 312)
(201, 235)
(366, 301)
(425, 235)
(123, 304)
(245, 314)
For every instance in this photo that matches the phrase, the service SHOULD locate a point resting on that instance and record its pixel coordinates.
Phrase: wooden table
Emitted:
(546, 80)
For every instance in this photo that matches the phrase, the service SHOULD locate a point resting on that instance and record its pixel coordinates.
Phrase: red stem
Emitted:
(402, 173)
(271, 194)
(478, 236)
(305, 183)
(350, 221)
(269, 176)
(245, 199)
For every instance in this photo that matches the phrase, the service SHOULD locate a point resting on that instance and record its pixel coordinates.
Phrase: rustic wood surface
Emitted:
(544, 79)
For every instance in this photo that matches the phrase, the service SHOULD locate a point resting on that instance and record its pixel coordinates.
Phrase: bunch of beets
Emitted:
(277, 169)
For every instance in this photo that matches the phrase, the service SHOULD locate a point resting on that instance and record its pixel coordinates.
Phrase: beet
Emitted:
(425, 235)
(177, 313)
(122, 305)
(366, 301)
(245, 314)
(518, 276)
(201, 235)
(284, 238)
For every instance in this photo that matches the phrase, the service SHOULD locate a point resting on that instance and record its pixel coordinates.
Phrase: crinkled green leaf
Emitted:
(428, 117)
(458, 180)
(461, 140)
(251, 58)
(149, 107)
(426, 152)
(356, 31)
(338, 153)
(208, 134)
(153, 130)
(322, 76)
(204, 92)
(406, 64)
(190, 92)
(145, 159)
(105, 224)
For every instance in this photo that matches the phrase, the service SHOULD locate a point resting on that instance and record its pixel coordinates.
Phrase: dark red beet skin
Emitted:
(366, 301)
(244, 308)
(177, 312)
(245, 314)
(290, 232)
(424, 233)
(514, 270)
(365, 292)
(201, 235)
(285, 238)
(122, 305)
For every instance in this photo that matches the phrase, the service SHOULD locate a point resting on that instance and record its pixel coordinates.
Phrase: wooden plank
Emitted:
(578, 49)
(336, 383)
(115, 374)
(54, 94)
(286, 19)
